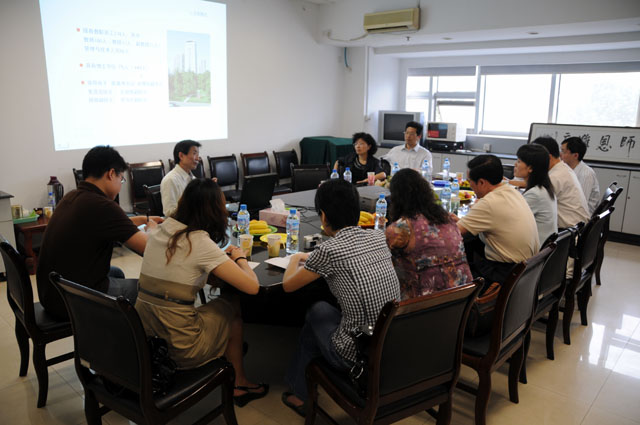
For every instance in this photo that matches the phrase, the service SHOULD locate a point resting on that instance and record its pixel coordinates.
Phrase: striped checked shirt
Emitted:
(357, 266)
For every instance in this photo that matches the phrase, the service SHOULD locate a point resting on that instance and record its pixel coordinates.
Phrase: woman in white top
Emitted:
(533, 166)
(179, 258)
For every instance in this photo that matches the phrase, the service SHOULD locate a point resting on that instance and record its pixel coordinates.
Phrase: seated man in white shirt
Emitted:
(572, 152)
(411, 154)
(501, 218)
(186, 154)
(572, 205)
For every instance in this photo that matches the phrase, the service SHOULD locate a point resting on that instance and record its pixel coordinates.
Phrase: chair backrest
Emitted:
(308, 177)
(507, 170)
(154, 199)
(408, 350)
(284, 159)
(516, 301)
(255, 163)
(554, 270)
(225, 169)
(77, 176)
(149, 173)
(19, 290)
(588, 239)
(108, 336)
(386, 166)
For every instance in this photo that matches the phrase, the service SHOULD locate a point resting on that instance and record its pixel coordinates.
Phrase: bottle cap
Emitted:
(292, 211)
(243, 206)
(335, 171)
(381, 196)
(346, 169)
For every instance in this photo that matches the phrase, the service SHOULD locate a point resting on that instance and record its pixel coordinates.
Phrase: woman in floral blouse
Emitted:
(427, 248)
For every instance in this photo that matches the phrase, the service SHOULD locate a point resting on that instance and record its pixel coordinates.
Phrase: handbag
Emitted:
(163, 369)
(359, 374)
(482, 311)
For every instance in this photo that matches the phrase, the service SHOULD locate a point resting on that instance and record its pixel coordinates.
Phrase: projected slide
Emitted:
(135, 72)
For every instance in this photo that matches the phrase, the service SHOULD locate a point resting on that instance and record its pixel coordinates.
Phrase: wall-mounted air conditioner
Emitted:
(392, 21)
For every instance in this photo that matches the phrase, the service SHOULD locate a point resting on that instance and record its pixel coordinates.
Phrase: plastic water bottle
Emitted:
(426, 170)
(445, 197)
(243, 220)
(445, 169)
(293, 230)
(455, 198)
(347, 174)
(381, 212)
(395, 169)
(334, 174)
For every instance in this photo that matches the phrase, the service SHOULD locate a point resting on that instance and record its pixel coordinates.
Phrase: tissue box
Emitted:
(274, 218)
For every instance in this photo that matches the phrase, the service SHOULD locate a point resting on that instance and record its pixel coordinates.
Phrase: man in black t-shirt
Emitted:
(79, 238)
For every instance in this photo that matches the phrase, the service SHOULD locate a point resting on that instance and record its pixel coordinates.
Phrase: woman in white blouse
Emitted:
(533, 166)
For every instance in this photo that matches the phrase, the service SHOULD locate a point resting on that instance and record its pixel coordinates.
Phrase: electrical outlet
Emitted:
(487, 147)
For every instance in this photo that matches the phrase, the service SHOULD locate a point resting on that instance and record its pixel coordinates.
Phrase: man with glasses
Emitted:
(411, 154)
(80, 235)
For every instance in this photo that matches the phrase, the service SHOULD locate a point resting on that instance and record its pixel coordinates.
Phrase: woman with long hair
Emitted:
(427, 248)
(179, 258)
(533, 167)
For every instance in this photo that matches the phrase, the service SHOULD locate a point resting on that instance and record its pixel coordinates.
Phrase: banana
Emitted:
(366, 216)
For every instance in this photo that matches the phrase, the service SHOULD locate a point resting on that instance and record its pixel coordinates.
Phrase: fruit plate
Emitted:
(283, 237)
(466, 195)
(257, 235)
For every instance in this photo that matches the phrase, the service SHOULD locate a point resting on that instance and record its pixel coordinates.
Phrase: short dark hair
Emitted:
(368, 139)
(416, 125)
(183, 147)
(101, 159)
(488, 167)
(576, 145)
(340, 202)
(412, 196)
(536, 157)
(549, 143)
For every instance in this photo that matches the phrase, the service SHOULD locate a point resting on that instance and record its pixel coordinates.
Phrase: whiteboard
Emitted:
(612, 144)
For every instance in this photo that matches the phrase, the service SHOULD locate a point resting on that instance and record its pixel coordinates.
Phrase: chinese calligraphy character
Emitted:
(604, 144)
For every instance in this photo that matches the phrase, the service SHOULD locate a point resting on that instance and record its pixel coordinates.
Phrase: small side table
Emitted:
(28, 230)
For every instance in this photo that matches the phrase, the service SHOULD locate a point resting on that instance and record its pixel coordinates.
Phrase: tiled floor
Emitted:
(594, 381)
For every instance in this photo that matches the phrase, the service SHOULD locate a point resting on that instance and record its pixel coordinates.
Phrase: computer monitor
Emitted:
(257, 191)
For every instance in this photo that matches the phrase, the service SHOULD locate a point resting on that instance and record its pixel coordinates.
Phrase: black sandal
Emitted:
(300, 410)
(250, 395)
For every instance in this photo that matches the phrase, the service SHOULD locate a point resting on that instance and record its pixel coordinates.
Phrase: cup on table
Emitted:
(16, 211)
(48, 212)
(273, 245)
(246, 244)
(371, 178)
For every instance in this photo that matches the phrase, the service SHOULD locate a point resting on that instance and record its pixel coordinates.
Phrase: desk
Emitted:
(28, 230)
(324, 149)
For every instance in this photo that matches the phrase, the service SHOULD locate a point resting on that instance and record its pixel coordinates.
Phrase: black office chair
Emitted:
(225, 169)
(284, 159)
(413, 365)
(258, 163)
(308, 176)
(112, 352)
(198, 172)
(386, 166)
(154, 199)
(611, 194)
(149, 173)
(31, 321)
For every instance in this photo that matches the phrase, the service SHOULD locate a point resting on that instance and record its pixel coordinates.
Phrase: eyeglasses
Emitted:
(410, 133)
(122, 180)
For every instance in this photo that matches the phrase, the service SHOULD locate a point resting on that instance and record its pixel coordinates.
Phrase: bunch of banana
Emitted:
(258, 227)
(366, 219)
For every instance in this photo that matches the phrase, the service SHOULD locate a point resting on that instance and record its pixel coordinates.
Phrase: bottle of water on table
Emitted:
(243, 220)
(395, 169)
(347, 174)
(445, 169)
(455, 198)
(426, 170)
(334, 174)
(445, 197)
(381, 213)
(293, 231)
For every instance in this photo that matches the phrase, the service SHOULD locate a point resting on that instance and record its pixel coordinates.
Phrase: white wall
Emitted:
(282, 86)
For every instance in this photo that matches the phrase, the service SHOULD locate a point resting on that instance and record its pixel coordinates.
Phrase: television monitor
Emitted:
(391, 125)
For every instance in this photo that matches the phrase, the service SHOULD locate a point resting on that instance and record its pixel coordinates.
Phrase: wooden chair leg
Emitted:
(91, 409)
(444, 413)
(523, 369)
(514, 372)
(23, 344)
(312, 404)
(569, 305)
(583, 301)
(228, 411)
(482, 398)
(552, 324)
(599, 259)
(40, 365)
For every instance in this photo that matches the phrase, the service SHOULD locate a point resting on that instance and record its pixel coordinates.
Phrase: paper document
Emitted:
(253, 264)
(282, 262)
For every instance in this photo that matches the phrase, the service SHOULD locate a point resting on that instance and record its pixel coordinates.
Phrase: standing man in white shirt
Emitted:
(572, 205)
(186, 154)
(411, 154)
(572, 152)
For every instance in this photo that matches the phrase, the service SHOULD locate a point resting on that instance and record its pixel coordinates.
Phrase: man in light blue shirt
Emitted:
(411, 154)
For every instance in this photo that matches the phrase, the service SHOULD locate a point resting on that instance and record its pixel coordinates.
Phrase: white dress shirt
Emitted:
(171, 188)
(589, 183)
(409, 158)
(572, 205)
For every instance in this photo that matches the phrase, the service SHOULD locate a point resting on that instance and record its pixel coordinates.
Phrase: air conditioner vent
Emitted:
(392, 21)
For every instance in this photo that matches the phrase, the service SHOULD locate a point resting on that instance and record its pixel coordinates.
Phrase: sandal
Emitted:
(250, 395)
(300, 410)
